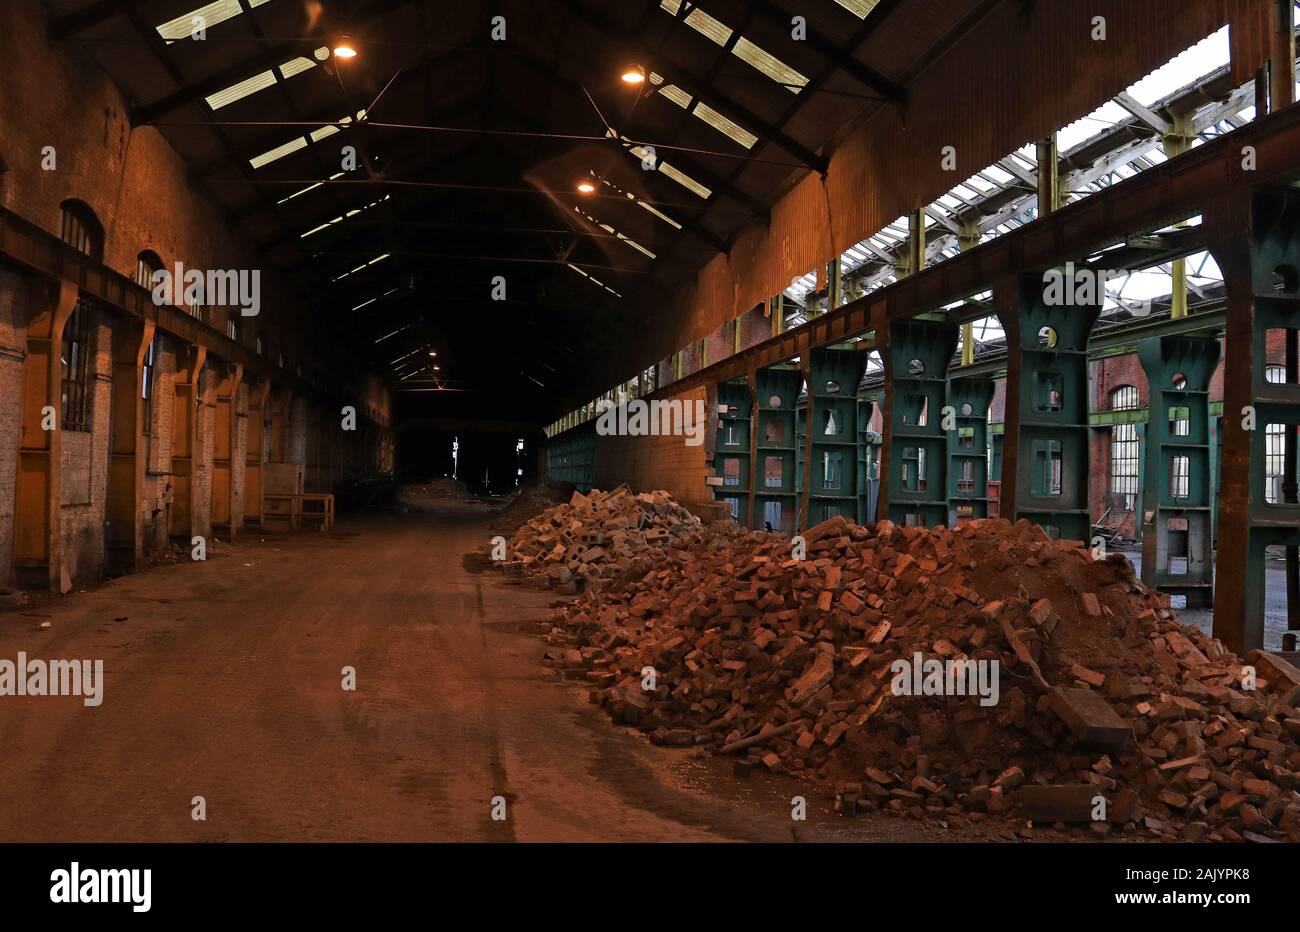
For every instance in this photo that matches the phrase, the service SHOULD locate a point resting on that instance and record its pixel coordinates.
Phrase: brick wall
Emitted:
(55, 95)
(658, 462)
(12, 350)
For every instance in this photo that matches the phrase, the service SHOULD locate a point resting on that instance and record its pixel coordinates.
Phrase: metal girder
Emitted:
(697, 86)
(1161, 195)
(718, 185)
(1143, 113)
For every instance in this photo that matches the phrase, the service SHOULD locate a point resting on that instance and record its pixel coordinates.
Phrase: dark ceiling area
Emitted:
(470, 148)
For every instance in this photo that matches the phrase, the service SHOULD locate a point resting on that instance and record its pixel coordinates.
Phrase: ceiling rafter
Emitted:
(718, 185)
(695, 85)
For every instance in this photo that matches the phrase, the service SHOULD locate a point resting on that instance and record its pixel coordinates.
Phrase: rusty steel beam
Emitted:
(1160, 196)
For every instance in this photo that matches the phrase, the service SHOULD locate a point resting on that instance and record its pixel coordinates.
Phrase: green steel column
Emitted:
(832, 424)
(968, 449)
(775, 445)
(731, 461)
(1047, 401)
(914, 449)
(1256, 243)
(1177, 532)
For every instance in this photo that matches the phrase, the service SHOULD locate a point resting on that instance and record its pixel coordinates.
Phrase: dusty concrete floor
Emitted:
(1274, 602)
(223, 680)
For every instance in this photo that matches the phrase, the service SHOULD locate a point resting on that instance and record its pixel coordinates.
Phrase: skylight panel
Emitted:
(279, 152)
(310, 187)
(683, 179)
(1202, 58)
(1099, 121)
(299, 142)
(859, 8)
(660, 214)
(593, 279)
(706, 113)
(609, 229)
(183, 26)
(300, 64)
(342, 217)
(720, 34)
(640, 203)
(241, 90)
(365, 265)
(259, 82)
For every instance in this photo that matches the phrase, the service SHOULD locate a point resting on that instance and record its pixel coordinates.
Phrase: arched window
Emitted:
(1124, 448)
(81, 229)
(145, 265)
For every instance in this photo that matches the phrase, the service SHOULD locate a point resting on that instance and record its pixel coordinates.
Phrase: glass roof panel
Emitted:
(718, 32)
(206, 16)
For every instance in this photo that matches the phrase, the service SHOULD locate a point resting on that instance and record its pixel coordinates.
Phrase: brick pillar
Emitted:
(38, 540)
(124, 532)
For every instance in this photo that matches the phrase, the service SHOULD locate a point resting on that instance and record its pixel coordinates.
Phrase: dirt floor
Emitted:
(223, 680)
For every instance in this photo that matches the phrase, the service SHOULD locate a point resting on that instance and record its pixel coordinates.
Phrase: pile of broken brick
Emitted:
(591, 538)
(1109, 711)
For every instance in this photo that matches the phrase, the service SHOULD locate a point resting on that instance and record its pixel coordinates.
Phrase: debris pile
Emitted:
(594, 537)
(984, 671)
(532, 499)
(443, 489)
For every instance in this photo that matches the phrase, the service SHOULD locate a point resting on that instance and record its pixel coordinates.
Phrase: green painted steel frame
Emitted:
(1045, 449)
(832, 468)
(735, 414)
(1255, 240)
(1177, 483)
(969, 400)
(776, 394)
(914, 460)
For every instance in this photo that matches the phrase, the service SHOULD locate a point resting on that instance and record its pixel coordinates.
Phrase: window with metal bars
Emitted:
(1180, 476)
(147, 387)
(76, 369)
(81, 230)
(1274, 458)
(1124, 448)
(1274, 445)
(145, 265)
